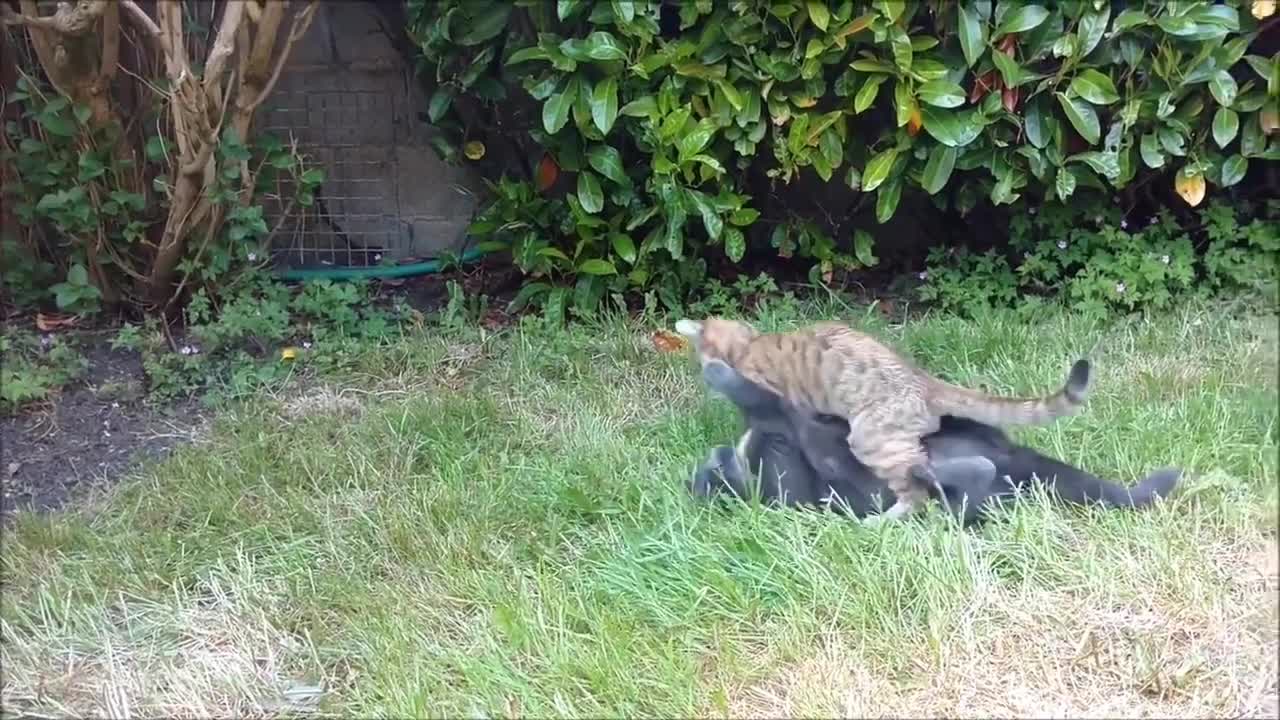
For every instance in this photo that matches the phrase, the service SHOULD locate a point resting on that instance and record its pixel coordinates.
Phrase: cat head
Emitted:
(717, 338)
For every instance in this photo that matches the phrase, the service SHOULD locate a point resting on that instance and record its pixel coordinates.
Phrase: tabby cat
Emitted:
(831, 369)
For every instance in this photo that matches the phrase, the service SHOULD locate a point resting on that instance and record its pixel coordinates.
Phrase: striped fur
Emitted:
(831, 369)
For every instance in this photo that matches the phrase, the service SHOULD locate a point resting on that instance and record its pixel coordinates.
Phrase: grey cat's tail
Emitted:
(948, 399)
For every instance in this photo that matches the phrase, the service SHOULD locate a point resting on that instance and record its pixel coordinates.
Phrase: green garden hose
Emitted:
(378, 271)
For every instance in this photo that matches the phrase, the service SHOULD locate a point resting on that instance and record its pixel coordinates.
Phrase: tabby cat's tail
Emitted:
(948, 399)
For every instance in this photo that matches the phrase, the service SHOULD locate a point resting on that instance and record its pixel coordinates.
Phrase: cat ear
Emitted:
(691, 329)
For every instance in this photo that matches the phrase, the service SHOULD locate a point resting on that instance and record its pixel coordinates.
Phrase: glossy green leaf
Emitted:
(1082, 117)
(819, 15)
(623, 246)
(1022, 19)
(555, 111)
(867, 93)
(1130, 19)
(604, 104)
(863, 248)
(953, 129)
(878, 168)
(486, 25)
(904, 103)
(1152, 155)
(735, 244)
(601, 45)
(941, 93)
(1226, 124)
(900, 43)
(1224, 88)
(1092, 26)
(596, 266)
(973, 33)
(887, 200)
(645, 106)
(606, 160)
(439, 103)
(1233, 170)
(589, 192)
(1036, 123)
(1064, 183)
(942, 160)
(1095, 87)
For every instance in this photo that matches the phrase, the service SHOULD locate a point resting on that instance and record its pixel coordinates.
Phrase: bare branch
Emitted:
(223, 45)
(144, 22)
(69, 19)
(301, 23)
(110, 49)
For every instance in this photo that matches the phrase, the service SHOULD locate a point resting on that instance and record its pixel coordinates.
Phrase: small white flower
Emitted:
(1164, 259)
(1152, 220)
(1062, 244)
(46, 341)
(1031, 211)
(306, 344)
(186, 350)
(253, 257)
(1124, 224)
(377, 257)
(923, 275)
(1097, 219)
(1120, 288)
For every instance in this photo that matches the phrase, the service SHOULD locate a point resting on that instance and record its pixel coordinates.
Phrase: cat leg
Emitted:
(896, 455)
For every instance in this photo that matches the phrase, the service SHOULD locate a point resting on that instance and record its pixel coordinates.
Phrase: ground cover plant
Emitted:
(469, 522)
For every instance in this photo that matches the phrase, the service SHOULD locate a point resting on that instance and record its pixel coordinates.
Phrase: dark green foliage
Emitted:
(657, 131)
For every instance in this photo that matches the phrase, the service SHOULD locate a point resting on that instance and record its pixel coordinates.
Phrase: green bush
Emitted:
(1108, 265)
(675, 121)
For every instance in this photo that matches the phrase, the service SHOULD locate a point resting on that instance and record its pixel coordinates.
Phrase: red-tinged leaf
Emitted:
(914, 122)
(1008, 44)
(984, 84)
(547, 173)
(1009, 97)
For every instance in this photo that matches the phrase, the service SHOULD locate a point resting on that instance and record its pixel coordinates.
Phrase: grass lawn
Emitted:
(498, 525)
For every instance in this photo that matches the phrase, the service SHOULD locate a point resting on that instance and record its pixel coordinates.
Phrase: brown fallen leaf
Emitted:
(668, 342)
(48, 321)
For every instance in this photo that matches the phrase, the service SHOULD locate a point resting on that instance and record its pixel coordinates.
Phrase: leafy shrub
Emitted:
(35, 367)
(676, 121)
(1111, 266)
(86, 233)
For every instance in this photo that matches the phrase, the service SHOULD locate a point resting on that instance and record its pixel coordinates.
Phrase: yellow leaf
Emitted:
(804, 102)
(1263, 9)
(474, 150)
(1190, 188)
(289, 353)
(1269, 119)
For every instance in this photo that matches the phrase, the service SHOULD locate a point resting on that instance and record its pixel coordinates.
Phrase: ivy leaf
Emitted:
(1224, 88)
(867, 94)
(819, 15)
(601, 45)
(1022, 19)
(589, 192)
(878, 169)
(1065, 183)
(1234, 169)
(942, 93)
(1150, 149)
(942, 160)
(596, 266)
(623, 247)
(555, 111)
(862, 248)
(735, 244)
(604, 104)
(1082, 117)
(1095, 87)
(1226, 124)
(606, 160)
(973, 34)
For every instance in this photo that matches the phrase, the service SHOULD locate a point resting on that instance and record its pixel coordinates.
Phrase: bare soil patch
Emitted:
(93, 432)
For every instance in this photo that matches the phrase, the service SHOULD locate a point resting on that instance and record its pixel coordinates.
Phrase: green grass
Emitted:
(499, 526)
